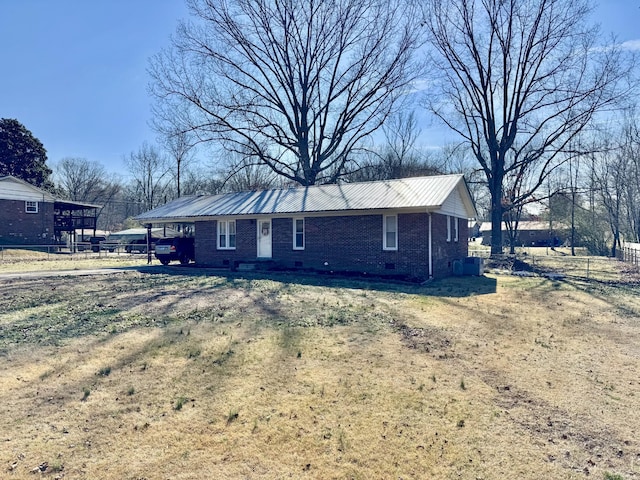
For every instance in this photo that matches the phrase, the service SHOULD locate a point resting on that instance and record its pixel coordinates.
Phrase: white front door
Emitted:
(264, 238)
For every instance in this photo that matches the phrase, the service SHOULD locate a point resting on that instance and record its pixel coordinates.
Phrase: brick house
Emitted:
(31, 216)
(412, 227)
(530, 234)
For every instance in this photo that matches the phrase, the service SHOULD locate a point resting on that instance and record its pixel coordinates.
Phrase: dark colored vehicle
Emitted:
(95, 243)
(176, 248)
(110, 245)
(140, 245)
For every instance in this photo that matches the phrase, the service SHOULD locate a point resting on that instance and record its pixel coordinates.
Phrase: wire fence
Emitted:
(630, 253)
(78, 249)
(552, 262)
(548, 262)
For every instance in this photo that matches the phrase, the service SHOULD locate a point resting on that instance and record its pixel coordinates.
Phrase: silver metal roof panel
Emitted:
(407, 193)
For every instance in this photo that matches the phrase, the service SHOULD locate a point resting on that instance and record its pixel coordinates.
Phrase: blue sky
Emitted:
(74, 71)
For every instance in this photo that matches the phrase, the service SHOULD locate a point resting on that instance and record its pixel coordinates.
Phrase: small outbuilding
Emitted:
(413, 227)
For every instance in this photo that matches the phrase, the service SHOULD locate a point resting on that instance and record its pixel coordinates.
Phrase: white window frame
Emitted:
(226, 234)
(30, 206)
(448, 228)
(385, 246)
(295, 234)
(455, 229)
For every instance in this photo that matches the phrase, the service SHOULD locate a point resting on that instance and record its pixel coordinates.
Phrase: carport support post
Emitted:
(430, 249)
(148, 243)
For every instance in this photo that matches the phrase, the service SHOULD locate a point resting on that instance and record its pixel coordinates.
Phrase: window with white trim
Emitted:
(226, 234)
(390, 232)
(452, 228)
(31, 207)
(298, 233)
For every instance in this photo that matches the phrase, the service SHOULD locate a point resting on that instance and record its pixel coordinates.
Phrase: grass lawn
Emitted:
(16, 260)
(198, 375)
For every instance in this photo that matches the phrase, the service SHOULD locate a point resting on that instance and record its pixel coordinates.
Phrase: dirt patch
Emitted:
(425, 340)
(578, 443)
(508, 263)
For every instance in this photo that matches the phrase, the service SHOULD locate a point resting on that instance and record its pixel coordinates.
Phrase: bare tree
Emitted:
(245, 175)
(297, 83)
(402, 156)
(399, 156)
(82, 180)
(609, 172)
(199, 181)
(401, 133)
(573, 175)
(150, 174)
(519, 79)
(630, 151)
(615, 177)
(179, 145)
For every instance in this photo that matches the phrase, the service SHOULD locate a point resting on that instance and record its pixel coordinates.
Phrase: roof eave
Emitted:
(318, 213)
(77, 204)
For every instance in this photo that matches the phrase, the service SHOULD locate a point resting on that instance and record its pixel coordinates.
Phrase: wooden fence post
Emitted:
(631, 254)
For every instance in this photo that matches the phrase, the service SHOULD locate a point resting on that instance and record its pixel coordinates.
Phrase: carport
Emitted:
(71, 216)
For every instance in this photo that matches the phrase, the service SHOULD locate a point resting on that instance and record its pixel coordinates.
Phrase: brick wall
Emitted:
(19, 227)
(444, 252)
(354, 243)
(206, 244)
(343, 243)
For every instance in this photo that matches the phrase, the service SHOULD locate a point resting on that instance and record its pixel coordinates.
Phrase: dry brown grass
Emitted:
(196, 376)
(17, 260)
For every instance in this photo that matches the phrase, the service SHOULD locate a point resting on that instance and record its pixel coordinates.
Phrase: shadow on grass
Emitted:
(450, 287)
(620, 295)
(461, 286)
(58, 316)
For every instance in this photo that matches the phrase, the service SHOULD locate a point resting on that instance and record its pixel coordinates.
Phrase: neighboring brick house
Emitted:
(31, 216)
(531, 233)
(412, 227)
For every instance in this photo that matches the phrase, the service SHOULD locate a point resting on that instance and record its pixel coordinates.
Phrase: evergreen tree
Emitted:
(23, 155)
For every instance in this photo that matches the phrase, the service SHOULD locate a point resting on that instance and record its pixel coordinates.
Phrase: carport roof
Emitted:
(429, 193)
(71, 205)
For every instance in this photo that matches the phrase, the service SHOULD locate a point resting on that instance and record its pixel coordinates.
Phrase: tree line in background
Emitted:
(288, 93)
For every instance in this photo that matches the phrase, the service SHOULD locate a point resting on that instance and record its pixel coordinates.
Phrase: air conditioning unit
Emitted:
(457, 268)
(473, 266)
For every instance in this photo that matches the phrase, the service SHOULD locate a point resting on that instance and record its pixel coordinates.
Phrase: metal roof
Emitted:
(12, 188)
(142, 232)
(527, 225)
(72, 205)
(406, 193)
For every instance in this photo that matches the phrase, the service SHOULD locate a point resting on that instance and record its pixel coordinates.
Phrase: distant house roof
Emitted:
(142, 232)
(526, 225)
(86, 232)
(13, 188)
(447, 194)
